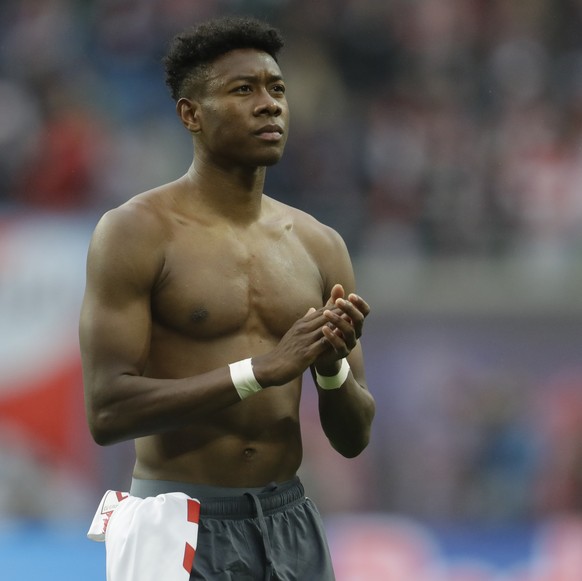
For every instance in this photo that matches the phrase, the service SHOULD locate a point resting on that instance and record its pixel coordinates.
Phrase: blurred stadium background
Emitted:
(443, 139)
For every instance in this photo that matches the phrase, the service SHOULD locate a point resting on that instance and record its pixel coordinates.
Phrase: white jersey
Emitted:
(147, 539)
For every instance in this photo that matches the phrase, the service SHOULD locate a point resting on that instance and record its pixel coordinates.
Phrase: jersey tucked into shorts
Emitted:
(274, 533)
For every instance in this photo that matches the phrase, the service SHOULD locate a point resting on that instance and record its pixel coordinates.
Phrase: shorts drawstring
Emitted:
(264, 534)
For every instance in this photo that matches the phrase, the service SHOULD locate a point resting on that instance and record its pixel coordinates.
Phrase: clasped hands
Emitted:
(345, 320)
(322, 337)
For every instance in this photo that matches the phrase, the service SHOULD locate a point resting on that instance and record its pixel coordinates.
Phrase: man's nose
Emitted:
(268, 106)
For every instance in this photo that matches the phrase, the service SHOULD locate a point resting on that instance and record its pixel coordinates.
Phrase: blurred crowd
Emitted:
(481, 419)
(440, 127)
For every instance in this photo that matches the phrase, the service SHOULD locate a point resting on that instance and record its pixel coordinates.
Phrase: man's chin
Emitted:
(267, 161)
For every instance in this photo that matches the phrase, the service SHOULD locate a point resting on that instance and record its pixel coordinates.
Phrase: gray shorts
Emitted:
(253, 534)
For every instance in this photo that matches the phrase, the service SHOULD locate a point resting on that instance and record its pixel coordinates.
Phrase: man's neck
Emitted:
(235, 193)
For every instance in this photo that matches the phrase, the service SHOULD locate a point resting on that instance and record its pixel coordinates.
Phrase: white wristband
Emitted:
(243, 378)
(334, 381)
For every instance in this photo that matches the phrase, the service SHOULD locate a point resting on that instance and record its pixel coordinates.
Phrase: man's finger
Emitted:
(360, 303)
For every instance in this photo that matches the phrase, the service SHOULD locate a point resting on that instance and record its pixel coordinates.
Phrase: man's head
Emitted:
(229, 91)
(192, 52)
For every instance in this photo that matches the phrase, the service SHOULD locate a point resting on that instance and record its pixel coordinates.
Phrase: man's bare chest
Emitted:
(221, 284)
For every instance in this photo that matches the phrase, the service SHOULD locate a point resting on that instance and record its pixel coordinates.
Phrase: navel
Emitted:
(249, 453)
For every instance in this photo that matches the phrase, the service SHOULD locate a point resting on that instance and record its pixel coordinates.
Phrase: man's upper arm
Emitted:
(115, 318)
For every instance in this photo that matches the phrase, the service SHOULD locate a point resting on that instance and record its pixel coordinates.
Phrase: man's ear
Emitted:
(188, 111)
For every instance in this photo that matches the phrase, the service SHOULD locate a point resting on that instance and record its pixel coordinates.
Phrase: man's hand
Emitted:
(298, 349)
(321, 337)
(345, 322)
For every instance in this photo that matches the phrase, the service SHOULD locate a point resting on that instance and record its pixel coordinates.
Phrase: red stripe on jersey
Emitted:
(189, 554)
(193, 511)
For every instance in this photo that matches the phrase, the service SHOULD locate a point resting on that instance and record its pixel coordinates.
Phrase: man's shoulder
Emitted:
(321, 241)
(131, 233)
(142, 213)
(307, 224)
(313, 230)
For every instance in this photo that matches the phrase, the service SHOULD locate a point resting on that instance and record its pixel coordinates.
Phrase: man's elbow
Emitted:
(102, 428)
(353, 447)
(353, 443)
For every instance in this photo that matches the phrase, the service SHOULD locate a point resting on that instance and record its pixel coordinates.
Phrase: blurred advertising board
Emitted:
(44, 441)
(390, 548)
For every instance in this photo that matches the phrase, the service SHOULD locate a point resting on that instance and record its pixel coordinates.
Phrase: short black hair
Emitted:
(192, 51)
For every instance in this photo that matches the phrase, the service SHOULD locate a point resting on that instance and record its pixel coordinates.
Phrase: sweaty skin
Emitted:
(208, 270)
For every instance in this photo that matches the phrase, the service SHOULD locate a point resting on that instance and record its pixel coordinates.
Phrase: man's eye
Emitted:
(279, 88)
(243, 89)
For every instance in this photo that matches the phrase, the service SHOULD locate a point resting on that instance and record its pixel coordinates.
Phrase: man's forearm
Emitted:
(346, 416)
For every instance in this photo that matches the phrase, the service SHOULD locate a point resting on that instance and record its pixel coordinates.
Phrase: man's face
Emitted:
(243, 114)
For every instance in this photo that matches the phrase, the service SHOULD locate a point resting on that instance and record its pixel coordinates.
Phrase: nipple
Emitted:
(199, 314)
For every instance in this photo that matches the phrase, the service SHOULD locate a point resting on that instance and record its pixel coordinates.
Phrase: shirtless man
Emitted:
(206, 300)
